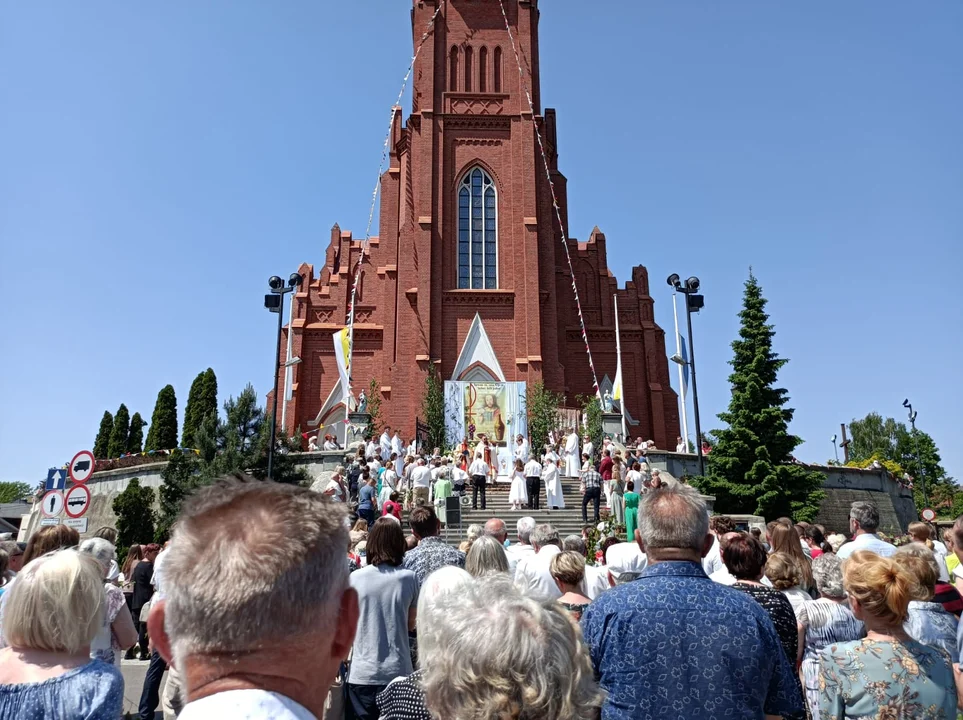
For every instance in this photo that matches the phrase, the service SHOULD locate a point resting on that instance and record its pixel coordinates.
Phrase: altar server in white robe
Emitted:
(398, 448)
(521, 449)
(553, 486)
(571, 455)
(589, 448)
(385, 444)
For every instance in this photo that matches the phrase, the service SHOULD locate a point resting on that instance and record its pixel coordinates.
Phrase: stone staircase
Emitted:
(567, 521)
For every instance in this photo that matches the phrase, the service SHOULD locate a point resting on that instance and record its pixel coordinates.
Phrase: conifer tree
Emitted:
(751, 468)
(433, 409)
(208, 399)
(162, 434)
(135, 440)
(118, 435)
(134, 508)
(102, 441)
(201, 402)
(191, 420)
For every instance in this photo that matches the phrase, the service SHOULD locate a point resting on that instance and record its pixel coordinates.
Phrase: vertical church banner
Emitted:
(495, 409)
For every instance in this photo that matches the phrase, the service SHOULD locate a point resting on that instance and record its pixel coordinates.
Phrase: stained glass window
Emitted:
(477, 232)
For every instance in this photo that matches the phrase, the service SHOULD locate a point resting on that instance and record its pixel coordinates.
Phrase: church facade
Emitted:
(468, 274)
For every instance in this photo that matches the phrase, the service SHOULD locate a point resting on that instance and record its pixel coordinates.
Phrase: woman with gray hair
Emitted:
(117, 633)
(404, 698)
(485, 557)
(825, 622)
(496, 652)
(53, 612)
(473, 532)
(927, 622)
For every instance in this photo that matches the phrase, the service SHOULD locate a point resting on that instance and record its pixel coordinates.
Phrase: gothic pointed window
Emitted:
(477, 232)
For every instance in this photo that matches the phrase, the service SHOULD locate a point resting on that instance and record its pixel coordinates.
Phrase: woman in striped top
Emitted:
(825, 621)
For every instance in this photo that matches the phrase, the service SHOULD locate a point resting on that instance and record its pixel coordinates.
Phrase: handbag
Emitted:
(145, 610)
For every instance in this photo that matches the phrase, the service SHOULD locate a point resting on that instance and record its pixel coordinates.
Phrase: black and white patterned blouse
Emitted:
(780, 611)
(403, 700)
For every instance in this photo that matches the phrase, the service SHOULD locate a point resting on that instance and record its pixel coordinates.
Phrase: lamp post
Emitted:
(835, 448)
(693, 302)
(916, 439)
(274, 302)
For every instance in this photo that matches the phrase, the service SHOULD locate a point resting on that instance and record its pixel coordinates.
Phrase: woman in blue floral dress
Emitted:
(885, 675)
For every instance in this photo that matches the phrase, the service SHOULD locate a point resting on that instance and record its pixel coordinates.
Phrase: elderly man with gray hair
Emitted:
(522, 549)
(863, 523)
(258, 613)
(534, 572)
(675, 644)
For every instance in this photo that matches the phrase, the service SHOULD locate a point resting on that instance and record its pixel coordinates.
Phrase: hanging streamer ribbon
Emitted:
(551, 185)
(381, 168)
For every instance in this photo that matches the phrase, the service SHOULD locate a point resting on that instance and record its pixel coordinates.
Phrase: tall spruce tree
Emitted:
(102, 441)
(162, 434)
(191, 419)
(751, 469)
(135, 439)
(118, 435)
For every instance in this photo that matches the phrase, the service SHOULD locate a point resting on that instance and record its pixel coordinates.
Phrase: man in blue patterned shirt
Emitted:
(674, 644)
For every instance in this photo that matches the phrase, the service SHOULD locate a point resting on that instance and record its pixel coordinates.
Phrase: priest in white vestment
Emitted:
(385, 445)
(571, 456)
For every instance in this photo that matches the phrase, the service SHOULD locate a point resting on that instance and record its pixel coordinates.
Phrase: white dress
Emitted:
(518, 493)
(553, 488)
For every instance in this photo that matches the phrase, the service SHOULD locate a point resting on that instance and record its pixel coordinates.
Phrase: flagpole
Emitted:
(678, 350)
(287, 368)
(618, 351)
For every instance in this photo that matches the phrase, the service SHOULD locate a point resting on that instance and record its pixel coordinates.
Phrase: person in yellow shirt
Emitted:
(952, 561)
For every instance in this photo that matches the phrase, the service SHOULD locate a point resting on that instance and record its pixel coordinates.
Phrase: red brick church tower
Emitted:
(468, 273)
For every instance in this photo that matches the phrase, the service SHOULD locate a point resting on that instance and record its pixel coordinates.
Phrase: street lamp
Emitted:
(835, 448)
(274, 303)
(916, 439)
(693, 303)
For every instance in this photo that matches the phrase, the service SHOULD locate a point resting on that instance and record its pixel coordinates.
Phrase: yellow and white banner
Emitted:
(342, 355)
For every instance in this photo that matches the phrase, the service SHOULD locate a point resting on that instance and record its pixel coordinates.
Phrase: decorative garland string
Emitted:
(551, 185)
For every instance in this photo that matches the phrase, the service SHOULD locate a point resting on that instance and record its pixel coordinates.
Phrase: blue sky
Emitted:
(158, 161)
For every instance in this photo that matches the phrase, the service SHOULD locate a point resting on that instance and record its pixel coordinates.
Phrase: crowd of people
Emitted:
(387, 477)
(344, 601)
